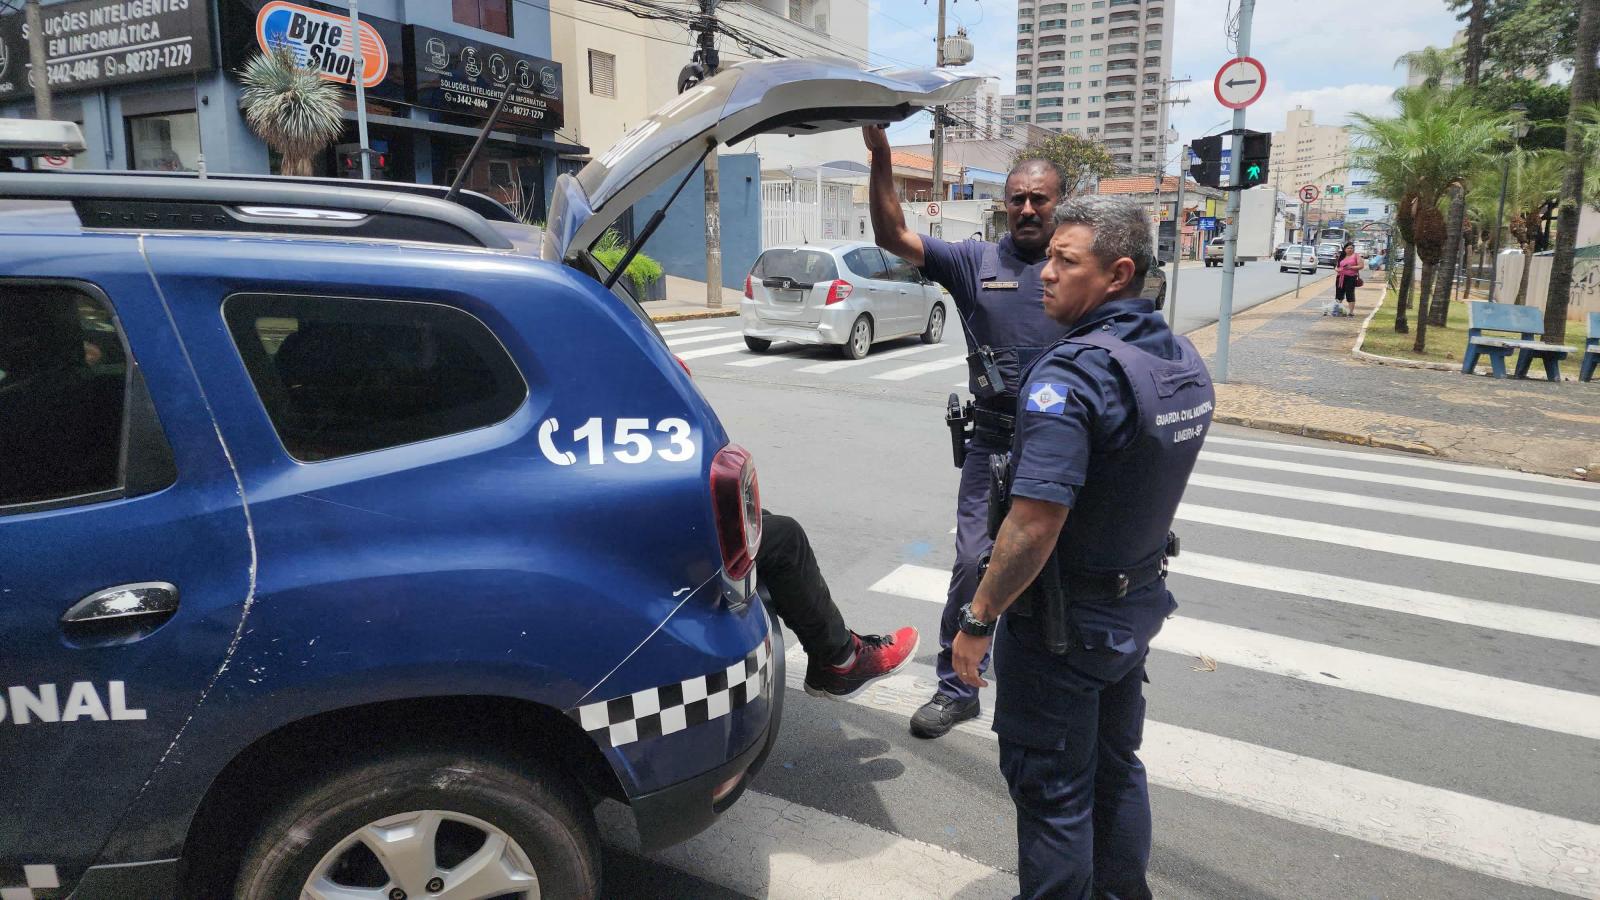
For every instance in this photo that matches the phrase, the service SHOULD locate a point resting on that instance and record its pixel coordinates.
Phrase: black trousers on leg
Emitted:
(788, 567)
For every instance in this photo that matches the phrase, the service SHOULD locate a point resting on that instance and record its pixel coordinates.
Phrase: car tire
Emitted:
(934, 333)
(757, 345)
(539, 814)
(859, 342)
(1283, 268)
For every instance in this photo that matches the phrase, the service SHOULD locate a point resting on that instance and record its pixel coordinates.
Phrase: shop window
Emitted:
(602, 73)
(499, 174)
(490, 15)
(168, 142)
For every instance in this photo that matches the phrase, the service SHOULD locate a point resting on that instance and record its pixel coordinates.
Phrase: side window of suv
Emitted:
(63, 383)
(340, 376)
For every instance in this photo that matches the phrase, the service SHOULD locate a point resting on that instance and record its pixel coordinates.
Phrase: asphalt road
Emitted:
(1199, 295)
(1383, 680)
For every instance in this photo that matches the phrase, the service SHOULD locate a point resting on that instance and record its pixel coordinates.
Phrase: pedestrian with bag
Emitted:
(1347, 276)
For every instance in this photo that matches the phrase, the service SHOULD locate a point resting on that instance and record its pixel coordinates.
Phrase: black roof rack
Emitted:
(482, 204)
(281, 205)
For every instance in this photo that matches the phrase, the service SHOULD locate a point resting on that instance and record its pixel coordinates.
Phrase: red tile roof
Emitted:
(1143, 185)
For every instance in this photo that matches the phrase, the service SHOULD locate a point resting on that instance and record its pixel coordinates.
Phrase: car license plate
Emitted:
(783, 296)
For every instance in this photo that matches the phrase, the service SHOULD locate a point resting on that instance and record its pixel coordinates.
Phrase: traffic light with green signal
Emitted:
(1255, 157)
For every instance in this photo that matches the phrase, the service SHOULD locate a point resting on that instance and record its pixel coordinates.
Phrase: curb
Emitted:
(1301, 429)
(1381, 360)
(697, 314)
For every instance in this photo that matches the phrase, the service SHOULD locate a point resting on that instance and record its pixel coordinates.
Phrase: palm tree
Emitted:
(293, 108)
(1417, 157)
(1584, 79)
(1533, 178)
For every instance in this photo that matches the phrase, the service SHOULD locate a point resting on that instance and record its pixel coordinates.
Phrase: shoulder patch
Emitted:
(1047, 397)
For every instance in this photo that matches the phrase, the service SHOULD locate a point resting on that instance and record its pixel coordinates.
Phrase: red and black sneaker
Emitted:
(872, 657)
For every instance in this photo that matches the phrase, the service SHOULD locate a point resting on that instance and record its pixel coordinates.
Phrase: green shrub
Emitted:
(642, 270)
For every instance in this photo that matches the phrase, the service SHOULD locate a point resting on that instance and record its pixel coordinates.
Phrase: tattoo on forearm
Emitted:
(1019, 554)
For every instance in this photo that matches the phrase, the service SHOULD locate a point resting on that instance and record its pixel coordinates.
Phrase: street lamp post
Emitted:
(1519, 128)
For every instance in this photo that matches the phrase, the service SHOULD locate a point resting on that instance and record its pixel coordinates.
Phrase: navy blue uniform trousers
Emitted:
(972, 543)
(1070, 728)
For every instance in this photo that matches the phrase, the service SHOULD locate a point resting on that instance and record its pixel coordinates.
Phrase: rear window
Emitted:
(340, 376)
(63, 376)
(808, 266)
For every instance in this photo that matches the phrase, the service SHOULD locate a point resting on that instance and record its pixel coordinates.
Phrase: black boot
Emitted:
(941, 714)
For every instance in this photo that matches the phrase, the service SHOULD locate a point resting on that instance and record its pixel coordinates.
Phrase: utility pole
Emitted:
(1247, 9)
(358, 74)
(42, 107)
(938, 129)
(706, 27)
(1177, 253)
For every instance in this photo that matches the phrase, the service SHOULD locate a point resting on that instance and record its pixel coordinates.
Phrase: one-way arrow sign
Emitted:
(1240, 82)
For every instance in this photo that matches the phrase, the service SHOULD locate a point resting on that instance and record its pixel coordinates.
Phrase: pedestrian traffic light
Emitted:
(1207, 169)
(1255, 157)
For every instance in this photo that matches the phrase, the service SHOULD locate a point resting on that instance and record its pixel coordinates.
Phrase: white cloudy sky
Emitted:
(1336, 58)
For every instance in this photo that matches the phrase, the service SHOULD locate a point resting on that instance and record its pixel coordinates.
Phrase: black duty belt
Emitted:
(1091, 587)
(996, 426)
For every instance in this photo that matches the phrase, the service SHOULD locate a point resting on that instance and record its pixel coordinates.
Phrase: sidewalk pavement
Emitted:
(686, 299)
(1291, 370)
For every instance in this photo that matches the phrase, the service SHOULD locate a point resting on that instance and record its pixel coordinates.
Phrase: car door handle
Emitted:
(120, 614)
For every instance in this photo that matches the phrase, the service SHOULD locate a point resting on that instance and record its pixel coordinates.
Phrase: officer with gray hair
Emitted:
(1109, 424)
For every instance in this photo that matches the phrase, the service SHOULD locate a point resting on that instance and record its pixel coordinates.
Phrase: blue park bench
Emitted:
(1527, 321)
(1591, 351)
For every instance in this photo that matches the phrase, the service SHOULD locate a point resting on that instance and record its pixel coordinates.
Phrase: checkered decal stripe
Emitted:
(671, 708)
(29, 883)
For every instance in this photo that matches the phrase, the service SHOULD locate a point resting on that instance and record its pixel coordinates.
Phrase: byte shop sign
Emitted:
(318, 36)
(323, 41)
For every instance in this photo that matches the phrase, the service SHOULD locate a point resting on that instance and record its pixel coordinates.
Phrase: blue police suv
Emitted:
(354, 544)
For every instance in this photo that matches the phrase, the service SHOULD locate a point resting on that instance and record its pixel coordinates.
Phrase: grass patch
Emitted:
(1444, 344)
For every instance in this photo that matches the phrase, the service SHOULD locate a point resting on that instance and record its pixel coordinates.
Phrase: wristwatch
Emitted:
(971, 624)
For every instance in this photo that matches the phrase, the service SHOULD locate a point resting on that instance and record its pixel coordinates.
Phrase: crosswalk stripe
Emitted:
(1507, 842)
(1392, 459)
(759, 361)
(839, 365)
(808, 854)
(1403, 507)
(1373, 476)
(713, 351)
(1519, 703)
(1398, 544)
(1373, 595)
(674, 341)
(675, 330)
(906, 373)
(1533, 705)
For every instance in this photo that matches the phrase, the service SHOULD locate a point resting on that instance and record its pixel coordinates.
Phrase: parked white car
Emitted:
(1300, 257)
(850, 295)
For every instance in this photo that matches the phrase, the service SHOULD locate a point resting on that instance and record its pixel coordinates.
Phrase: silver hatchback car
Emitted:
(850, 295)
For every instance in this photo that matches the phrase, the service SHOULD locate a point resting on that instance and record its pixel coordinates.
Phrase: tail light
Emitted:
(736, 507)
(685, 366)
(838, 291)
(747, 294)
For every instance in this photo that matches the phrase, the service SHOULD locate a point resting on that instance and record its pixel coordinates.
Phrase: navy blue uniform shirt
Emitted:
(996, 289)
(1072, 403)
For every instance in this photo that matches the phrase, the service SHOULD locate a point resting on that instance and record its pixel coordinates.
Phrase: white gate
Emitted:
(790, 214)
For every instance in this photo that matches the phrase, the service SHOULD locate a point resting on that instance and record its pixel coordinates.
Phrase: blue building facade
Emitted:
(154, 85)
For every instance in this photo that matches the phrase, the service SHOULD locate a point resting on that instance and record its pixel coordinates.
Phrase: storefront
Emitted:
(153, 85)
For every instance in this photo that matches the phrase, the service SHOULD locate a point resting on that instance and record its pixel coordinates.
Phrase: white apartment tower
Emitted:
(980, 116)
(1306, 153)
(1098, 69)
